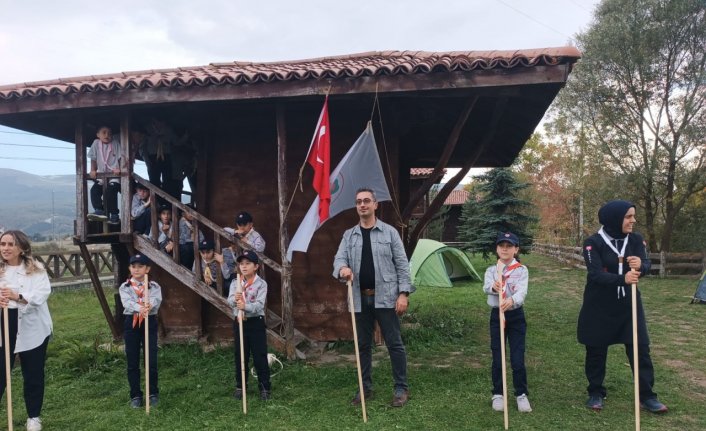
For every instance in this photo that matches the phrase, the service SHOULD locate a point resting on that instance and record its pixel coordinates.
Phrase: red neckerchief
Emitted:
(506, 274)
(106, 155)
(139, 289)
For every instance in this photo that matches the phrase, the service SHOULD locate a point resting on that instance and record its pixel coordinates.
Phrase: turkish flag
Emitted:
(320, 159)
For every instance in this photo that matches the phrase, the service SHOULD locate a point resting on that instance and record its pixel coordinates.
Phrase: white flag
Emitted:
(360, 167)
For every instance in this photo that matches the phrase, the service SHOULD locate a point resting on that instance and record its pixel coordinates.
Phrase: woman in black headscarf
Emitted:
(615, 258)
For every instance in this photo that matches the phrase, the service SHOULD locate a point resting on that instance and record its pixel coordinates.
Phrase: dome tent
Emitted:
(435, 264)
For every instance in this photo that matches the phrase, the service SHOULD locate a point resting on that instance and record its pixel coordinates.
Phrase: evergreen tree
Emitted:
(497, 209)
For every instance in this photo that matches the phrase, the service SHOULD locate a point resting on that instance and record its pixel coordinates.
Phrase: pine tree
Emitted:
(497, 209)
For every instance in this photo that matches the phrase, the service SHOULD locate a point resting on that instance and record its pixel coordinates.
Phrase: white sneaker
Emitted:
(498, 404)
(523, 405)
(34, 424)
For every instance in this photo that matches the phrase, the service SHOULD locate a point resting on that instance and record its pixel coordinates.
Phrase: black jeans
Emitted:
(390, 326)
(255, 341)
(32, 363)
(134, 339)
(111, 197)
(143, 222)
(515, 331)
(595, 369)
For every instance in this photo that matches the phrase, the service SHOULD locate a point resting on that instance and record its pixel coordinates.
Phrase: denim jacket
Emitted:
(391, 264)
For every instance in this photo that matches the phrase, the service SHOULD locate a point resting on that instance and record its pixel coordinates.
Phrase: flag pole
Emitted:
(147, 346)
(501, 299)
(239, 289)
(635, 362)
(8, 374)
(357, 351)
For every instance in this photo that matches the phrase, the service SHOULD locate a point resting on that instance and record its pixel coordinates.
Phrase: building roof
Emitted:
(380, 63)
(457, 197)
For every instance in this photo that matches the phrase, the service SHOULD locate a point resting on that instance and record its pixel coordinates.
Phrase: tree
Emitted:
(639, 95)
(498, 209)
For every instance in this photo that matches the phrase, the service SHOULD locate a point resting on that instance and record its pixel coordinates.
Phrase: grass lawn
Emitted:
(447, 340)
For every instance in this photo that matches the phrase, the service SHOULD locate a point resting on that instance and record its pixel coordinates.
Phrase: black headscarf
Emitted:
(611, 216)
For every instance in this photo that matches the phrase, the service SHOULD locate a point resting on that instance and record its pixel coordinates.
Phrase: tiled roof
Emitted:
(387, 63)
(457, 197)
(423, 172)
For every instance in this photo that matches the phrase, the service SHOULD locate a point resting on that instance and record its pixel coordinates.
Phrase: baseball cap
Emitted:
(508, 237)
(243, 218)
(249, 255)
(206, 245)
(140, 258)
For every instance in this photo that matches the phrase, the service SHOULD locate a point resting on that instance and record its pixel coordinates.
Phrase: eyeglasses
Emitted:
(366, 201)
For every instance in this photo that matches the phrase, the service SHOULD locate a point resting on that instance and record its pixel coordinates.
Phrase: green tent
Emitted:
(435, 264)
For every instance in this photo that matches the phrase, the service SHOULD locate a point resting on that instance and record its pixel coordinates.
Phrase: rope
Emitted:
(376, 103)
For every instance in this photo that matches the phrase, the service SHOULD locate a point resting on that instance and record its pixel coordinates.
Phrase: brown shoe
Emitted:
(400, 398)
(356, 398)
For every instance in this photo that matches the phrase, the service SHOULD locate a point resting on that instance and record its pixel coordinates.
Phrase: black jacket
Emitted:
(606, 316)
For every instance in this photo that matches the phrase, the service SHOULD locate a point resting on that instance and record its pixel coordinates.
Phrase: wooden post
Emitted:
(81, 186)
(286, 273)
(635, 362)
(501, 298)
(8, 369)
(98, 287)
(147, 347)
(125, 173)
(662, 264)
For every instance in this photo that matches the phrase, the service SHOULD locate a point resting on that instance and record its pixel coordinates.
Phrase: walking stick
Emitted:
(239, 289)
(357, 352)
(8, 382)
(635, 368)
(501, 298)
(147, 346)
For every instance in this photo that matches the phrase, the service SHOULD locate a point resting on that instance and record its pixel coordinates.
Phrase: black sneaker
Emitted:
(98, 215)
(595, 403)
(265, 395)
(653, 405)
(238, 394)
(114, 219)
(154, 400)
(136, 402)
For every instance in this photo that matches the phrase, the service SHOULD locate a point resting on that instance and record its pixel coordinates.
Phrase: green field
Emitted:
(449, 359)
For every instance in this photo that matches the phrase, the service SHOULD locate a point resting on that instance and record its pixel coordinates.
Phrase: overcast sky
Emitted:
(46, 39)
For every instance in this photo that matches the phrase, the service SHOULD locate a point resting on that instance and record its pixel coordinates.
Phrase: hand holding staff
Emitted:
(239, 290)
(8, 369)
(357, 352)
(147, 345)
(501, 299)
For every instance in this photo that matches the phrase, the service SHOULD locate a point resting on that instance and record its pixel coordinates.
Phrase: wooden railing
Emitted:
(69, 266)
(663, 264)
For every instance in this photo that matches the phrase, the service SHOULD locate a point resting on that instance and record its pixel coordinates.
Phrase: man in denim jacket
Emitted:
(372, 256)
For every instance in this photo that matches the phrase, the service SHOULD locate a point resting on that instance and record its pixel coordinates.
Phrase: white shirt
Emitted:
(34, 323)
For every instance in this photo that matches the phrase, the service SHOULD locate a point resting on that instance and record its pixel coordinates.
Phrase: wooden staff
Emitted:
(8, 380)
(501, 299)
(147, 346)
(239, 289)
(357, 351)
(635, 368)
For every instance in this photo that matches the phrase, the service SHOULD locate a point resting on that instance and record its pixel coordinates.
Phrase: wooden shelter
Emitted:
(252, 124)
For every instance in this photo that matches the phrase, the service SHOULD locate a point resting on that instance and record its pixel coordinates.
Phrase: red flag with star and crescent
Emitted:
(320, 159)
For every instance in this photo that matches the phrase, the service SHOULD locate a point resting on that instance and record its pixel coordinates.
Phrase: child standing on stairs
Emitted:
(132, 294)
(252, 302)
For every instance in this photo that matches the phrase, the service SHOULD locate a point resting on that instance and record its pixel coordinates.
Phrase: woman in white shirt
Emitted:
(24, 289)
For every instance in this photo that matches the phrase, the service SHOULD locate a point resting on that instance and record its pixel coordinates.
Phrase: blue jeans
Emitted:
(515, 331)
(390, 326)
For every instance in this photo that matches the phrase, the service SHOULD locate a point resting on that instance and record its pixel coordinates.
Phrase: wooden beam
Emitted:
(125, 171)
(443, 159)
(81, 186)
(185, 276)
(418, 83)
(449, 187)
(98, 287)
(286, 274)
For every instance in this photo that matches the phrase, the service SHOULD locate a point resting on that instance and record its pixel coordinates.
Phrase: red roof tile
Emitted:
(457, 197)
(341, 67)
(417, 173)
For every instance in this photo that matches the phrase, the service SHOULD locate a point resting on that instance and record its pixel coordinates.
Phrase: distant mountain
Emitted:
(27, 202)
